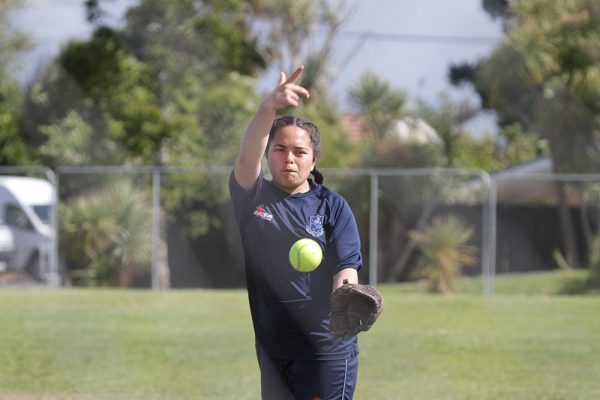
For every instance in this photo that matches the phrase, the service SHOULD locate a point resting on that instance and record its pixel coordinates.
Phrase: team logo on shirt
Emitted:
(315, 225)
(263, 214)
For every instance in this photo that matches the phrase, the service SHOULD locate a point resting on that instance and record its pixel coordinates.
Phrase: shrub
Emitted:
(443, 252)
(107, 235)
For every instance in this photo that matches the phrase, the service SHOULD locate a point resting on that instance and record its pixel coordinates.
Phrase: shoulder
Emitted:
(236, 189)
(328, 193)
(335, 200)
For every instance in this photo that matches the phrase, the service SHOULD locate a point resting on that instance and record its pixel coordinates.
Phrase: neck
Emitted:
(303, 188)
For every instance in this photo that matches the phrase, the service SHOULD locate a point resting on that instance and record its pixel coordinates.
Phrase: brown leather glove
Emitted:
(354, 309)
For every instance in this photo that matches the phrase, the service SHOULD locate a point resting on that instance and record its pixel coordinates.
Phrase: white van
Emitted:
(7, 246)
(26, 206)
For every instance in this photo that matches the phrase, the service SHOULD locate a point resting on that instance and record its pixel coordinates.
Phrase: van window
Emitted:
(15, 216)
(44, 213)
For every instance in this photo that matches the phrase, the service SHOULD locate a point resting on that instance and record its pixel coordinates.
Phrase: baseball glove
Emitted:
(354, 309)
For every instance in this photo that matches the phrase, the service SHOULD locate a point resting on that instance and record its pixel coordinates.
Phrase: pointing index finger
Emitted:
(295, 75)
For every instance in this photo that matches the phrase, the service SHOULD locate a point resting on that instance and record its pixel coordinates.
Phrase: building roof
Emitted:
(408, 129)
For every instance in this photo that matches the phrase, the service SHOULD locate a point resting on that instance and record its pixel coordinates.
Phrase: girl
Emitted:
(297, 356)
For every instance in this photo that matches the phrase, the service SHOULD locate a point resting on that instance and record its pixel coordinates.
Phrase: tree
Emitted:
(162, 77)
(546, 77)
(380, 104)
(446, 120)
(12, 42)
(290, 37)
(13, 150)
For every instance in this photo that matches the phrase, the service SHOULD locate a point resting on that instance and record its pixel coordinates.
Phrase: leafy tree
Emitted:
(13, 150)
(12, 42)
(546, 77)
(160, 78)
(521, 145)
(514, 146)
(290, 35)
(497, 9)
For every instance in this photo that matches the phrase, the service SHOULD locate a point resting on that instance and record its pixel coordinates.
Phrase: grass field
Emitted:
(198, 344)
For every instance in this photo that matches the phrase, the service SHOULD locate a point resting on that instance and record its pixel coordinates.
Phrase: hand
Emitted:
(287, 93)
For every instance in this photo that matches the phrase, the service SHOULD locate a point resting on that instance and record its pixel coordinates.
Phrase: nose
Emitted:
(289, 157)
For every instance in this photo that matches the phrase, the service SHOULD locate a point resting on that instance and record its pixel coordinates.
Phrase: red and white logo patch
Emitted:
(263, 214)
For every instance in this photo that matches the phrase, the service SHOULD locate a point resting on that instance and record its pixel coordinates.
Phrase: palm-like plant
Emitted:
(443, 252)
(109, 233)
(380, 104)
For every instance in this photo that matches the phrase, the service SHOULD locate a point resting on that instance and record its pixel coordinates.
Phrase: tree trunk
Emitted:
(584, 215)
(566, 224)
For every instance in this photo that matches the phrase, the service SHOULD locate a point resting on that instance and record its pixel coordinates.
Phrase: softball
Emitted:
(306, 255)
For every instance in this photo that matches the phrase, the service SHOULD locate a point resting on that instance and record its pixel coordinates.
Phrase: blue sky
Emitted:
(418, 67)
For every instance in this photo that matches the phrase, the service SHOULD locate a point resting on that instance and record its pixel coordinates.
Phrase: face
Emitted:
(291, 158)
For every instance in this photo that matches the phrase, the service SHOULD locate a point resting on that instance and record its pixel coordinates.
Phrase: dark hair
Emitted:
(308, 127)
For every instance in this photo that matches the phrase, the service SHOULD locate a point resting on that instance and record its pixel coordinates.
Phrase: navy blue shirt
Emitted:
(290, 309)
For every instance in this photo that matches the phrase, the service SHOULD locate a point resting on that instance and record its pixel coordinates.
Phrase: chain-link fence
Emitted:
(194, 240)
(173, 227)
(545, 220)
(392, 206)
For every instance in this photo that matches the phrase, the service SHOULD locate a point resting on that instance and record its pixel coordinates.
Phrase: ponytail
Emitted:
(318, 176)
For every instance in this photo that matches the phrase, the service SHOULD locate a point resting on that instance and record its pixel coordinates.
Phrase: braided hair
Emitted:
(308, 127)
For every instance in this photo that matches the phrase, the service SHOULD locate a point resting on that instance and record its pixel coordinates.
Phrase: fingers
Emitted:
(288, 92)
(298, 90)
(296, 74)
(281, 79)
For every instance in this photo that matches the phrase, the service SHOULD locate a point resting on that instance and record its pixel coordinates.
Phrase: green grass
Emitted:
(198, 344)
(548, 283)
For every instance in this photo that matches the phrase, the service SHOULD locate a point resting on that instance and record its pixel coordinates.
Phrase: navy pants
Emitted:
(307, 379)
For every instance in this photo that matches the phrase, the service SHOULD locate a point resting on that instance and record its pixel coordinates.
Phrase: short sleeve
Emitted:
(344, 241)
(241, 200)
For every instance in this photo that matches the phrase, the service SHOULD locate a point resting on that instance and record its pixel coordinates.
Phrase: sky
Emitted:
(400, 54)
(419, 67)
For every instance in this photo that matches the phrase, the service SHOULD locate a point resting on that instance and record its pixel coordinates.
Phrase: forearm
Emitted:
(350, 274)
(253, 146)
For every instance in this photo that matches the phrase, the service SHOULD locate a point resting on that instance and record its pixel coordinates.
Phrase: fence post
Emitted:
(53, 278)
(373, 229)
(489, 240)
(156, 172)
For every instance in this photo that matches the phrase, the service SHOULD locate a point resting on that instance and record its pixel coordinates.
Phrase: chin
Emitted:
(287, 185)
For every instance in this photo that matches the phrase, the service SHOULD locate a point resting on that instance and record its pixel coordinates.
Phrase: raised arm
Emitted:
(254, 142)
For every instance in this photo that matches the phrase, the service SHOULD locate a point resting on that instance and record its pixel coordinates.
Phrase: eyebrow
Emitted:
(281, 146)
